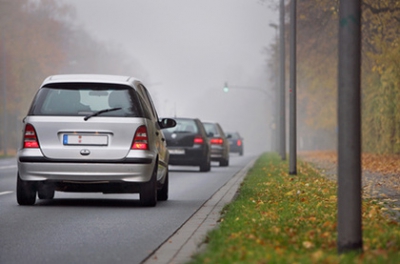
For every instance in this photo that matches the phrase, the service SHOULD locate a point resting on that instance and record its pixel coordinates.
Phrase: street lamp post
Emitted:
(277, 134)
(292, 102)
(255, 88)
(227, 87)
(4, 95)
(349, 120)
(282, 104)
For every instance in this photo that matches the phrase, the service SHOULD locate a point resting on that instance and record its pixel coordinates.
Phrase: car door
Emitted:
(160, 142)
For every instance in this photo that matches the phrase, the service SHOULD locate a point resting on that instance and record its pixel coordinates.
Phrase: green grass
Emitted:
(281, 218)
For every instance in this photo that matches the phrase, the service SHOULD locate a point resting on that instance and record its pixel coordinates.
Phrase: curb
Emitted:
(188, 239)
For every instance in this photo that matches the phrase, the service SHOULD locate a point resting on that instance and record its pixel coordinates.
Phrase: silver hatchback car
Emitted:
(93, 133)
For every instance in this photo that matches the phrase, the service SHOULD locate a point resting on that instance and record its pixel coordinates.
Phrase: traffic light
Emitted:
(226, 88)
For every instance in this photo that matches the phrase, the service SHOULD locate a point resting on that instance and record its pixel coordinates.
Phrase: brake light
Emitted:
(30, 138)
(217, 141)
(239, 142)
(140, 140)
(198, 140)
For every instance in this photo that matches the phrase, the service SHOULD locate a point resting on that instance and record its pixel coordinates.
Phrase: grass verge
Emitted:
(281, 218)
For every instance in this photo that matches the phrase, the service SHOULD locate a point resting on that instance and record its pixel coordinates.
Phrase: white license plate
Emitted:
(177, 151)
(89, 140)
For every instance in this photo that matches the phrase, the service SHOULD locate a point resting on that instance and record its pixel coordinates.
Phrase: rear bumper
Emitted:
(235, 148)
(192, 157)
(218, 153)
(130, 169)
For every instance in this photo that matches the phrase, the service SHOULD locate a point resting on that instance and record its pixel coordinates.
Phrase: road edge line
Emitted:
(189, 238)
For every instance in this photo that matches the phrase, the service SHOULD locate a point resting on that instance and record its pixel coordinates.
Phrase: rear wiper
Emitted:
(101, 112)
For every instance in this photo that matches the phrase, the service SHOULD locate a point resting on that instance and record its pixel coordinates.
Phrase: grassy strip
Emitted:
(281, 218)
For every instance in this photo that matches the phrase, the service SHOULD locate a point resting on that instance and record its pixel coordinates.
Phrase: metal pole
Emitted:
(277, 98)
(282, 105)
(4, 95)
(349, 120)
(275, 110)
(292, 91)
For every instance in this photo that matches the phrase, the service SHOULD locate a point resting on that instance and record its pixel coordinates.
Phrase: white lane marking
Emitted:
(7, 192)
(8, 167)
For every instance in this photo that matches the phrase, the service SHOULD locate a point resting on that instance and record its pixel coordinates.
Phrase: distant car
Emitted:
(188, 144)
(219, 143)
(93, 133)
(235, 142)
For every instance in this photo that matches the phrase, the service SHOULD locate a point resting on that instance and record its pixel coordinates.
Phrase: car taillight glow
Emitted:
(239, 142)
(217, 141)
(30, 138)
(198, 140)
(140, 141)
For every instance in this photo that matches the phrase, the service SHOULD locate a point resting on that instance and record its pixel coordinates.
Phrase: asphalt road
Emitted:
(98, 228)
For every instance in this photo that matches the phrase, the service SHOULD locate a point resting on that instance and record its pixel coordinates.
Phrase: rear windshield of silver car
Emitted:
(82, 99)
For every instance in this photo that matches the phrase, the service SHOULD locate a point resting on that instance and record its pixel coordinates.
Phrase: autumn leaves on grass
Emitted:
(280, 218)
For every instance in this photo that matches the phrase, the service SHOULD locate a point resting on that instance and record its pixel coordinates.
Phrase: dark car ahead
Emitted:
(188, 144)
(219, 143)
(235, 142)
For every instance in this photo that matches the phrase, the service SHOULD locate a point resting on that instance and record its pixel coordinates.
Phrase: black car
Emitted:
(235, 142)
(188, 144)
(219, 143)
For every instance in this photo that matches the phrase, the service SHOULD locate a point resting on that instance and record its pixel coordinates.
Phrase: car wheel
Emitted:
(26, 192)
(162, 194)
(45, 191)
(205, 166)
(148, 191)
(241, 153)
(224, 162)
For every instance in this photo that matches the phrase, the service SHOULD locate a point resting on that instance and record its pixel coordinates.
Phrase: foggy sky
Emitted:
(187, 49)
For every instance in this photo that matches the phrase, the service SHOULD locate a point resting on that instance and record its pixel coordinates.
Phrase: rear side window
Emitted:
(211, 129)
(183, 126)
(85, 99)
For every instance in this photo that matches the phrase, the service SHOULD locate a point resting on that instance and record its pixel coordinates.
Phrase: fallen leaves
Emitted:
(379, 163)
(290, 219)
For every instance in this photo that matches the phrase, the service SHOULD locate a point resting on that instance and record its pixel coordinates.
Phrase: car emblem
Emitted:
(85, 152)
(173, 135)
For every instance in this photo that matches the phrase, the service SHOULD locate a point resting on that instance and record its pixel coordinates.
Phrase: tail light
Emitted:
(141, 140)
(238, 142)
(217, 141)
(30, 138)
(198, 140)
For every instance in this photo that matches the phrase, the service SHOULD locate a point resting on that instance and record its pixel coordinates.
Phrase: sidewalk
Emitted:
(383, 185)
(188, 239)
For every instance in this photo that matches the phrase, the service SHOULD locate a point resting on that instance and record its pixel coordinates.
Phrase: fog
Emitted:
(186, 50)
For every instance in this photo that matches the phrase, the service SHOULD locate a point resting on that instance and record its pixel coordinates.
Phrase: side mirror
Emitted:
(167, 123)
(211, 134)
(229, 136)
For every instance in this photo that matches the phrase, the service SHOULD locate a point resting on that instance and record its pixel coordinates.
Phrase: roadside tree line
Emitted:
(317, 62)
(41, 38)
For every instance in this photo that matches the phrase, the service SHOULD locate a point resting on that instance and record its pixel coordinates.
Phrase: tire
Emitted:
(26, 192)
(162, 194)
(45, 191)
(205, 166)
(224, 163)
(148, 191)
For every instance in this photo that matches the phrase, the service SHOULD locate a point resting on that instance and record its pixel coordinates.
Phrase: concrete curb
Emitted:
(188, 239)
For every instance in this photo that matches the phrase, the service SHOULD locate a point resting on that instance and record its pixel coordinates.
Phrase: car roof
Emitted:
(90, 78)
(210, 122)
(186, 118)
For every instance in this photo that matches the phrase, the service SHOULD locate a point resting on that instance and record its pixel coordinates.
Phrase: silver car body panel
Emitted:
(105, 156)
